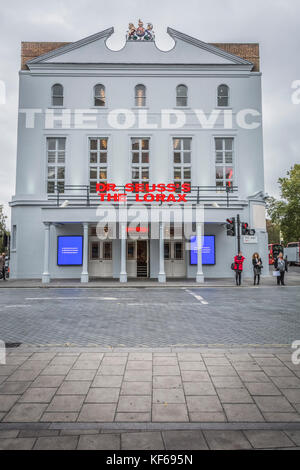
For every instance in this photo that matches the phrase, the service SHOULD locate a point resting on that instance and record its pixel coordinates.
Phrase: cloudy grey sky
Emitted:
(272, 23)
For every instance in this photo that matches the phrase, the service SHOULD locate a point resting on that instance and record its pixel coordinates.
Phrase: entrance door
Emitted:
(100, 258)
(142, 258)
(174, 258)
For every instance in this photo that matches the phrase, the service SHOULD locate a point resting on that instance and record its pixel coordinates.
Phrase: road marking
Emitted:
(198, 297)
(20, 305)
(75, 298)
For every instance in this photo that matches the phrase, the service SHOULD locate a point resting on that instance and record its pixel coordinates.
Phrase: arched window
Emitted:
(99, 95)
(57, 95)
(181, 95)
(223, 95)
(140, 95)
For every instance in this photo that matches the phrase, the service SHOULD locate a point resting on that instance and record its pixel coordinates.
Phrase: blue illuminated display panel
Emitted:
(208, 250)
(69, 250)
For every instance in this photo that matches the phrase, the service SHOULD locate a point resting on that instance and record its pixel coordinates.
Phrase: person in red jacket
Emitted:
(238, 267)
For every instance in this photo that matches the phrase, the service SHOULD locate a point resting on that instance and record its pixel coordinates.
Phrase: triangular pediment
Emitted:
(93, 50)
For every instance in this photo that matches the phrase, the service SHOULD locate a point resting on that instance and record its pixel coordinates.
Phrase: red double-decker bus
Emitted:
(274, 250)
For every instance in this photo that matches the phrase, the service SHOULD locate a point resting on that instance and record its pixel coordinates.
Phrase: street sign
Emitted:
(250, 239)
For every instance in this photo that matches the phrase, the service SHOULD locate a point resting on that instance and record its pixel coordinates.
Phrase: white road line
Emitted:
(75, 298)
(10, 306)
(198, 297)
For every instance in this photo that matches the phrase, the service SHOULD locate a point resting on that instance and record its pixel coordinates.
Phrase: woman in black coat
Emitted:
(257, 267)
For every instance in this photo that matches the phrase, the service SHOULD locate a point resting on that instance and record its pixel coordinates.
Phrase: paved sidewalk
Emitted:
(292, 279)
(149, 398)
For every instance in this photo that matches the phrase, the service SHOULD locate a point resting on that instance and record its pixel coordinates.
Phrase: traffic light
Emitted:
(246, 230)
(230, 227)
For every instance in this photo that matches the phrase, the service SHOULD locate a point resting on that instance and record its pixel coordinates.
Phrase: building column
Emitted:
(46, 274)
(161, 274)
(199, 233)
(123, 273)
(84, 272)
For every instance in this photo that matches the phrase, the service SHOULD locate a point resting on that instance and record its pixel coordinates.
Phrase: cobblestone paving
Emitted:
(150, 317)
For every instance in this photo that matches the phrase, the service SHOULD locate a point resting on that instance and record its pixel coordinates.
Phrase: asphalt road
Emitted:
(150, 317)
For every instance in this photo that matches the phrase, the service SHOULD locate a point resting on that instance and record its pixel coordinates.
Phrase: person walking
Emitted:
(280, 265)
(2, 266)
(238, 267)
(257, 267)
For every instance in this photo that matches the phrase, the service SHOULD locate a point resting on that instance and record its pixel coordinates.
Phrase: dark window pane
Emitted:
(219, 144)
(130, 250)
(219, 172)
(187, 157)
(186, 144)
(51, 144)
(50, 187)
(51, 172)
(93, 144)
(61, 144)
(181, 90)
(92, 187)
(103, 144)
(178, 252)
(103, 157)
(177, 157)
(61, 172)
(228, 144)
(145, 144)
(93, 157)
(181, 101)
(95, 250)
(135, 157)
(57, 101)
(167, 250)
(145, 157)
(93, 173)
(107, 249)
(135, 144)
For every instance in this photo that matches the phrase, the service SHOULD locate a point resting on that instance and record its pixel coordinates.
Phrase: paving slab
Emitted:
(97, 412)
(134, 403)
(169, 413)
(226, 440)
(268, 439)
(38, 395)
(184, 440)
(273, 403)
(242, 413)
(17, 444)
(99, 442)
(164, 395)
(25, 412)
(142, 441)
(102, 395)
(56, 443)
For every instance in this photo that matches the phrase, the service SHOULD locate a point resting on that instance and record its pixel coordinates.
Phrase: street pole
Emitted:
(238, 232)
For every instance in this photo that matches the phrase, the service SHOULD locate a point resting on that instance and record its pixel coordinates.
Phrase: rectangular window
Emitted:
(130, 250)
(94, 253)
(97, 162)
(178, 251)
(56, 155)
(107, 250)
(140, 160)
(167, 250)
(14, 238)
(182, 161)
(224, 161)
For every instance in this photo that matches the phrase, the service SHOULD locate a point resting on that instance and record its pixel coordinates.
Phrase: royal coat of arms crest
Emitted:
(140, 33)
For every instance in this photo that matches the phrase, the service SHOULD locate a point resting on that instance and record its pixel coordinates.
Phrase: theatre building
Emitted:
(186, 123)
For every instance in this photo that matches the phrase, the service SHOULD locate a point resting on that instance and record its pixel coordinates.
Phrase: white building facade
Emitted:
(89, 115)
